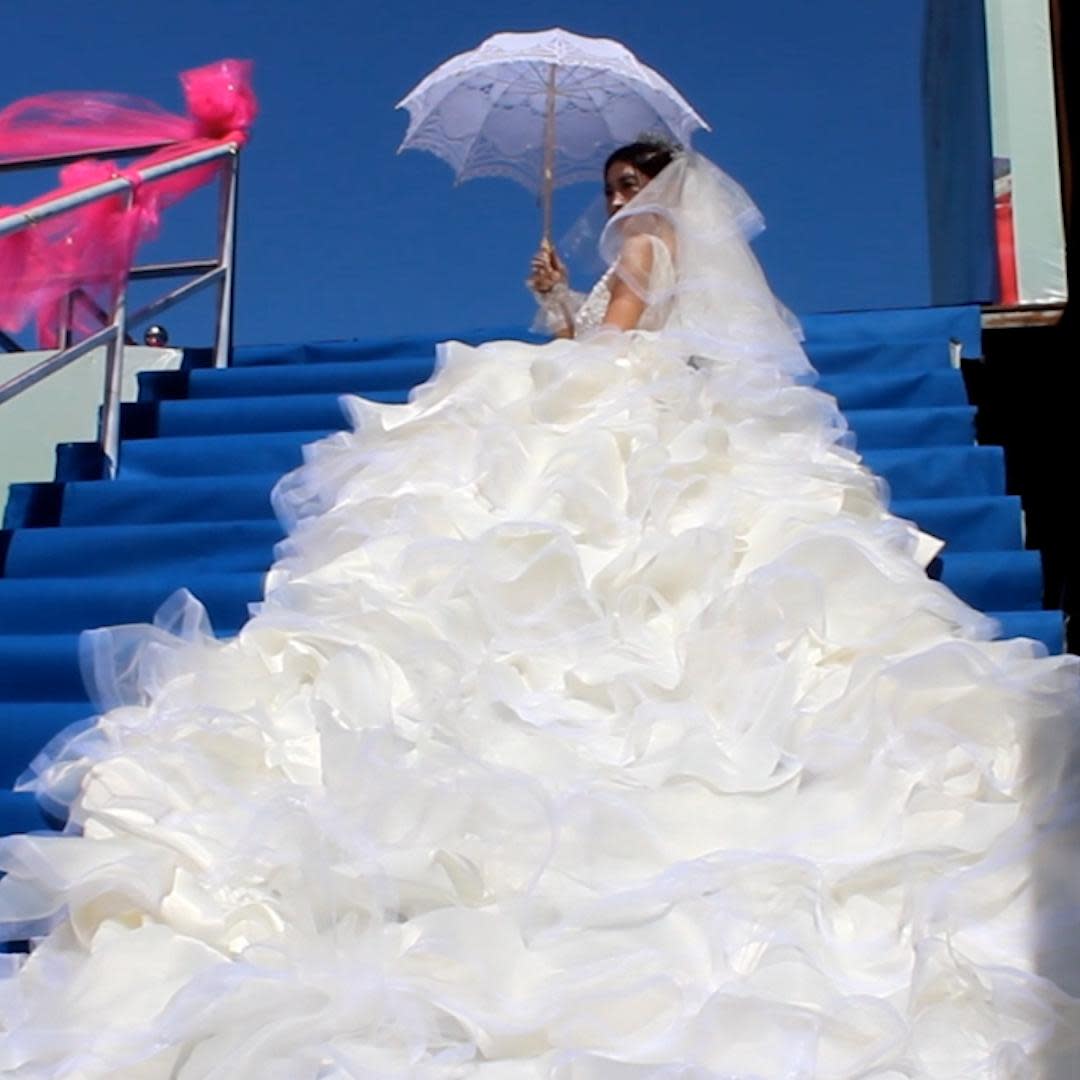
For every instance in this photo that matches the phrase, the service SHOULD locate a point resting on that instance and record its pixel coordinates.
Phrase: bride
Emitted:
(598, 723)
(626, 172)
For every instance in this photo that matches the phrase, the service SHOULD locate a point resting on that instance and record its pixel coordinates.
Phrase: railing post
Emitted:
(67, 319)
(109, 439)
(109, 427)
(226, 259)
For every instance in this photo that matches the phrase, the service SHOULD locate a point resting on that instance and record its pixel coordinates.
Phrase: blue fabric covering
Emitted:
(940, 472)
(894, 429)
(1009, 579)
(193, 498)
(210, 416)
(959, 153)
(827, 333)
(852, 357)
(896, 390)
(55, 605)
(340, 376)
(216, 455)
(27, 726)
(1045, 627)
(971, 523)
(20, 814)
(405, 347)
(191, 507)
(884, 329)
(111, 549)
(40, 667)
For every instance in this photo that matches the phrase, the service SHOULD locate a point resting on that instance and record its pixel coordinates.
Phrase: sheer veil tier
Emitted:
(715, 294)
(598, 723)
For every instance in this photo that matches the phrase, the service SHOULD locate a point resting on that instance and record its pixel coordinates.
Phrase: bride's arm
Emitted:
(549, 283)
(626, 306)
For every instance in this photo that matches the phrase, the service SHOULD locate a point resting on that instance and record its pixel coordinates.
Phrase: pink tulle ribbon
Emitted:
(92, 248)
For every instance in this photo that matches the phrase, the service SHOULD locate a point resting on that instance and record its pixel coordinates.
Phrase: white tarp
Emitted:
(1025, 139)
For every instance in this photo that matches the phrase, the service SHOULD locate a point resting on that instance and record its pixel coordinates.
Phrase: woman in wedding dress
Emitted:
(598, 723)
(614, 299)
(617, 298)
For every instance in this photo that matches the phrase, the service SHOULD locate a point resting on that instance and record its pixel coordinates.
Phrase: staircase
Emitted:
(203, 447)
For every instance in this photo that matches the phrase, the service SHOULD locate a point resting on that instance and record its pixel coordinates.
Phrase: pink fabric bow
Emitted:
(92, 248)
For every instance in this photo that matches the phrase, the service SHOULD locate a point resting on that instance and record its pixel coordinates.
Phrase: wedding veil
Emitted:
(703, 273)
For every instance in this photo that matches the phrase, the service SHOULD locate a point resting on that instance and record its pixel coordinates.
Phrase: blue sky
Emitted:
(814, 107)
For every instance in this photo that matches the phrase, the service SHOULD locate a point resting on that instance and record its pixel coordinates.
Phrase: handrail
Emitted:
(22, 219)
(217, 271)
(52, 160)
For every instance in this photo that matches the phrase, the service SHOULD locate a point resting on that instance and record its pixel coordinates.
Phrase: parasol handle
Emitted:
(547, 179)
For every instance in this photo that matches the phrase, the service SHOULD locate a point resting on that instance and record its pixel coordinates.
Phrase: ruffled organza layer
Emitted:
(598, 724)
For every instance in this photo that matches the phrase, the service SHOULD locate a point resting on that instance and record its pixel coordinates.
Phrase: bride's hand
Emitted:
(547, 270)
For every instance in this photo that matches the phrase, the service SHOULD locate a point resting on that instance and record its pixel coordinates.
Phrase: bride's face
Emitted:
(621, 183)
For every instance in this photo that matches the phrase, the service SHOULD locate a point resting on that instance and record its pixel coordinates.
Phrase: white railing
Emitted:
(113, 334)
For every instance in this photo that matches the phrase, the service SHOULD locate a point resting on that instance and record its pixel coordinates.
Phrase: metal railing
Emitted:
(114, 332)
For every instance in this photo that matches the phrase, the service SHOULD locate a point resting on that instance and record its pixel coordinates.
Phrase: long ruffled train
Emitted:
(598, 723)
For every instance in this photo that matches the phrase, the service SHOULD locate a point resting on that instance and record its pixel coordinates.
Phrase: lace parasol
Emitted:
(543, 108)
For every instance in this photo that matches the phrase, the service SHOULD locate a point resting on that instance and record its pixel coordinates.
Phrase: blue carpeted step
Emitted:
(995, 580)
(872, 351)
(940, 425)
(330, 352)
(59, 605)
(307, 412)
(896, 389)
(382, 380)
(27, 726)
(20, 813)
(141, 501)
(215, 455)
(968, 523)
(941, 472)
(973, 470)
(891, 429)
(189, 548)
(878, 333)
(1045, 626)
(363, 350)
(865, 358)
(138, 501)
(388, 380)
(962, 324)
(40, 667)
(974, 523)
(219, 416)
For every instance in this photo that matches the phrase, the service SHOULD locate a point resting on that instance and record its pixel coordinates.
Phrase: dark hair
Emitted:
(650, 157)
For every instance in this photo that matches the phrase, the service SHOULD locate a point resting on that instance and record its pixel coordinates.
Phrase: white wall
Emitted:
(61, 408)
(1024, 122)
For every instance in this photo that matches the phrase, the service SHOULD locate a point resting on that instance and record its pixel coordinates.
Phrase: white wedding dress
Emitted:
(598, 724)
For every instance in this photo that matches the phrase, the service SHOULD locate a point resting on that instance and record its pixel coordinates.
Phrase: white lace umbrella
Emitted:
(544, 109)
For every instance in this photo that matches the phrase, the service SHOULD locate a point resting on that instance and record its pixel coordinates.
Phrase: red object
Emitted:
(93, 247)
(1006, 250)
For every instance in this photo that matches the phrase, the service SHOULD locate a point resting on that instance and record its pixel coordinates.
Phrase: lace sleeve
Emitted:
(591, 313)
